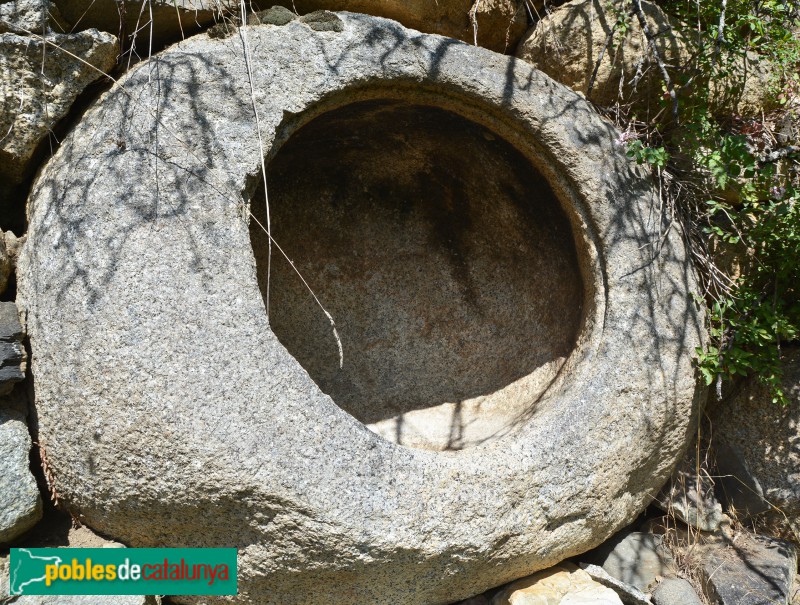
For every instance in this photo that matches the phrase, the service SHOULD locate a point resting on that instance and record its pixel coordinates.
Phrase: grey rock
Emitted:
(629, 595)
(24, 15)
(38, 88)
(675, 591)
(636, 558)
(172, 414)
(689, 494)
(277, 15)
(323, 21)
(752, 570)
(20, 502)
(13, 244)
(757, 451)
(30, 16)
(12, 354)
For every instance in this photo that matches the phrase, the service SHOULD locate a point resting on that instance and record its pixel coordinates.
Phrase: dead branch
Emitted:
(597, 63)
(651, 43)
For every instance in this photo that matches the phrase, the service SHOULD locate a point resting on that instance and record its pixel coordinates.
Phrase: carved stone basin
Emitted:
(443, 256)
(515, 315)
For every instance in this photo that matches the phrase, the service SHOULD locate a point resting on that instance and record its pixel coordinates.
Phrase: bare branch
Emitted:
(720, 30)
(637, 10)
(597, 63)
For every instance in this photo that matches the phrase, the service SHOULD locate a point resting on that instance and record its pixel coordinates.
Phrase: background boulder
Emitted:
(758, 450)
(569, 42)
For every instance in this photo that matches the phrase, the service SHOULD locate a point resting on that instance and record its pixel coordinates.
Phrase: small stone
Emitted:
(636, 559)
(12, 353)
(223, 29)
(323, 21)
(277, 15)
(5, 265)
(750, 570)
(630, 595)
(13, 245)
(675, 591)
(20, 502)
(564, 584)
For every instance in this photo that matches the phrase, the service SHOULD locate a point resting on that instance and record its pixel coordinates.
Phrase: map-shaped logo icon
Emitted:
(27, 568)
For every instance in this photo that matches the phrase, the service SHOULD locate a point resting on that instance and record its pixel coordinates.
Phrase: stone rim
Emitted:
(459, 102)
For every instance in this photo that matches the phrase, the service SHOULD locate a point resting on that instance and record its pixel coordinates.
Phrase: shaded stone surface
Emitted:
(165, 20)
(5, 263)
(479, 600)
(746, 87)
(172, 415)
(758, 451)
(752, 570)
(690, 495)
(20, 503)
(498, 24)
(635, 558)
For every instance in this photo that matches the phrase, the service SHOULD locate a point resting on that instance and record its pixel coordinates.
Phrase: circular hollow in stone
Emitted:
(442, 254)
(171, 413)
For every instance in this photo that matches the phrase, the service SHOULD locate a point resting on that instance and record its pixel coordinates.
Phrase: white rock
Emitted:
(561, 585)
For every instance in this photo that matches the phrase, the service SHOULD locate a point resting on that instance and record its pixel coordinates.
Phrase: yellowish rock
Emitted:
(564, 584)
(573, 41)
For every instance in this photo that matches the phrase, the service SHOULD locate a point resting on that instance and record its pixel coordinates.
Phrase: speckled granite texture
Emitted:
(173, 416)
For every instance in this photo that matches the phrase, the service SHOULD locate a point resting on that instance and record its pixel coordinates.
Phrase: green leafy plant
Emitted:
(732, 181)
(654, 156)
